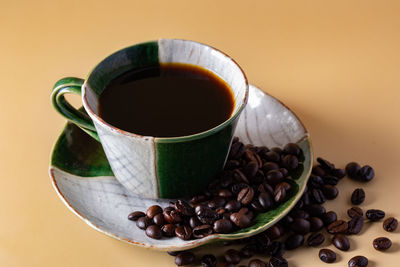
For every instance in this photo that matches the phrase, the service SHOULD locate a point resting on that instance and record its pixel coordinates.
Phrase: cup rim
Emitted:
(173, 139)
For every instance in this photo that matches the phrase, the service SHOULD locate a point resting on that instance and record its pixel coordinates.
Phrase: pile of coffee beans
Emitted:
(254, 180)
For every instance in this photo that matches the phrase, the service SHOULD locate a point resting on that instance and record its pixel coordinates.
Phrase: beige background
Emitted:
(335, 63)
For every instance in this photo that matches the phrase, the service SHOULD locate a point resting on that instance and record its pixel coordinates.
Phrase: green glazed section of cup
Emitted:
(185, 168)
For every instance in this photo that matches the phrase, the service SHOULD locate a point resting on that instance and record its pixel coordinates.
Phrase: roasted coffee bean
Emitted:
(327, 255)
(316, 224)
(225, 193)
(278, 262)
(382, 243)
(168, 230)
(294, 241)
(154, 231)
(339, 173)
(245, 195)
(280, 192)
(250, 169)
(173, 253)
(315, 210)
(341, 242)
(390, 224)
(265, 200)
(318, 196)
(276, 249)
(329, 217)
(143, 222)
(202, 231)
(375, 215)
(172, 216)
(355, 225)
(159, 219)
(330, 191)
(241, 218)
(236, 188)
(206, 215)
(256, 206)
(272, 156)
(284, 172)
(153, 211)
(257, 263)
(184, 208)
(315, 239)
(223, 226)
(358, 196)
(292, 148)
(352, 170)
(262, 242)
(232, 205)
(318, 170)
(326, 165)
(184, 258)
(330, 179)
(248, 250)
(300, 226)
(315, 181)
(358, 261)
(265, 187)
(366, 173)
(231, 164)
(197, 199)
(355, 211)
(298, 213)
(269, 166)
(337, 227)
(237, 150)
(194, 222)
(232, 256)
(208, 260)
(136, 215)
(274, 232)
(184, 232)
(226, 264)
(286, 221)
(216, 202)
(274, 177)
(290, 162)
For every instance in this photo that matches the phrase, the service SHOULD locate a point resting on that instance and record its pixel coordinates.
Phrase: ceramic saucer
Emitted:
(85, 183)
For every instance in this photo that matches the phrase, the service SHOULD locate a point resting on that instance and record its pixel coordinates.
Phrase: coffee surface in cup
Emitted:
(166, 100)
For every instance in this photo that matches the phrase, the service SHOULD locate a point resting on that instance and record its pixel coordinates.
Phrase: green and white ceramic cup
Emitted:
(154, 167)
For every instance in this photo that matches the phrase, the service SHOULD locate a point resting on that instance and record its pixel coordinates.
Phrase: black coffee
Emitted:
(166, 101)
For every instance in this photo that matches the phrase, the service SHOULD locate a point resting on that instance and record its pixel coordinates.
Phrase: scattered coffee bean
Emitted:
(278, 262)
(366, 173)
(173, 253)
(208, 260)
(330, 191)
(355, 211)
(315, 239)
(315, 181)
(257, 263)
(326, 165)
(248, 250)
(274, 232)
(352, 170)
(154, 231)
(337, 227)
(294, 241)
(184, 258)
(358, 196)
(355, 225)
(327, 255)
(183, 232)
(358, 261)
(341, 242)
(134, 216)
(318, 196)
(375, 215)
(153, 211)
(316, 224)
(276, 249)
(329, 217)
(330, 180)
(390, 224)
(316, 210)
(382, 243)
(339, 173)
(143, 223)
(232, 256)
(318, 170)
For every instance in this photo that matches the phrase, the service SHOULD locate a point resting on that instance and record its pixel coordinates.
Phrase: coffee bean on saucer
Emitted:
(272, 156)
(341, 242)
(153, 211)
(222, 226)
(358, 261)
(143, 222)
(352, 170)
(172, 216)
(274, 177)
(337, 227)
(242, 218)
(184, 258)
(375, 215)
(355, 211)
(232, 256)
(278, 262)
(292, 148)
(265, 200)
(294, 241)
(168, 230)
(382, 243)
(136, 215)
(257, 263)
(269, 166)
(366, 173)
(184, 232)
(390, 224)
(246, 195)
(315, 239)
(355, 225)
(280, 192)
(154, 231)
(290, 162)
(208, 260)
(358, 196)
(202, 231)
(159, 219)
(184, 208)
(329, 217)
(327, 255)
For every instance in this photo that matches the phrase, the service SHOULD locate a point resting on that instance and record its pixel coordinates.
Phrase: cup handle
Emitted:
(81, 119)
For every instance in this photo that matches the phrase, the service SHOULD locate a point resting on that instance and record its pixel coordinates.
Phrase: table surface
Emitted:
(336, 64)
